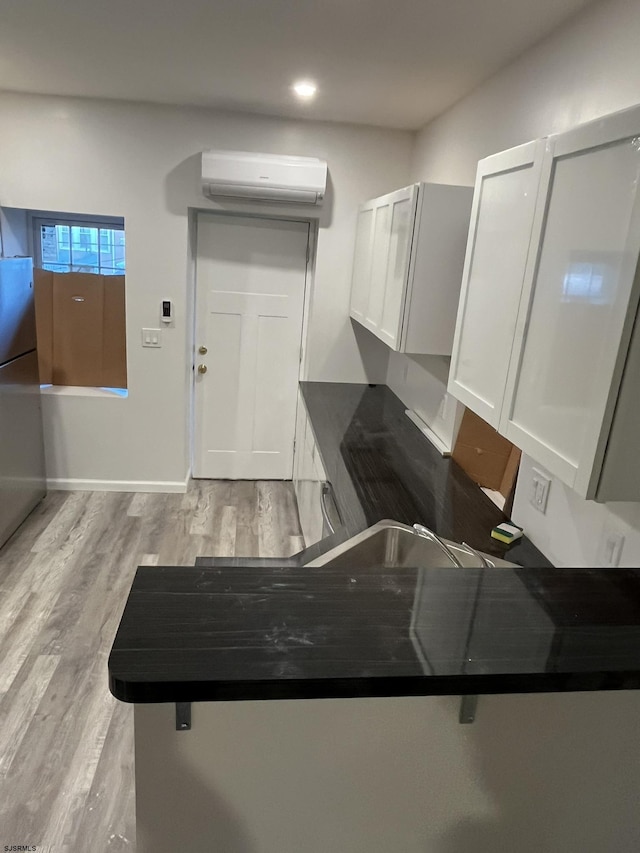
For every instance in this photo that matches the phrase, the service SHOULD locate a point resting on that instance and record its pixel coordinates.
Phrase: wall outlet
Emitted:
(151, 337)
(611, 549)
(539, 490)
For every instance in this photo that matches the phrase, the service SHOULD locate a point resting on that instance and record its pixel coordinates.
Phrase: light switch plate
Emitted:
(152, 337)
(539, 490)
(610, 549)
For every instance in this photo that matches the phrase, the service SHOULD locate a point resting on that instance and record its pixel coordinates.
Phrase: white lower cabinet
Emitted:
(558, 373)
(309, 479)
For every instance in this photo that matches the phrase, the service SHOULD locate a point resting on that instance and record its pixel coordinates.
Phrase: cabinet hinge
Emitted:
(183, 716)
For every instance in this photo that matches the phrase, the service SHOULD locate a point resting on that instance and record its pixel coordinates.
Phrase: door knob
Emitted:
(202, 368)
(202, 350)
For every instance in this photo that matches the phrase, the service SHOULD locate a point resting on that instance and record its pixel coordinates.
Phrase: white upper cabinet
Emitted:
(547, 348)
(497, 247)
(408, 265)
(578, 308)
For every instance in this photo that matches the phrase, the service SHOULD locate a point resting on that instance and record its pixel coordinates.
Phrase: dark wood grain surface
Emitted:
(205, 633)
(381, 466)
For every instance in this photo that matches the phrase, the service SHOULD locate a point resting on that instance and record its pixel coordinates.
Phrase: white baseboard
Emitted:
(71, 485)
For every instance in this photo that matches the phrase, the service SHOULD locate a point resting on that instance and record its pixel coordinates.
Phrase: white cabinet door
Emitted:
(579, 301)
(305, 505)
(379, 259)
(381, 262)
(400, 217)
(316, 482)
(497, 248)
(301, 419)
(309, 477)
(316, 520)
(362, 262)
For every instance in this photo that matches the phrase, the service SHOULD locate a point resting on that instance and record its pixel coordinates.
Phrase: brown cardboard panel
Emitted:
(114, 352)
(43, 297)
(481, 451)
(484, 467)
(475, 432)
(78, 329)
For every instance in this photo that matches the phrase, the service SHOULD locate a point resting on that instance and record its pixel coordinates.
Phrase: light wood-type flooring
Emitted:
(66, 745)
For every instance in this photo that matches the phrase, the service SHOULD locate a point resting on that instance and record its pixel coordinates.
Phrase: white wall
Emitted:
(421, 383)
(535, 773)
(139, 161)
(13, 233)
(586, 69)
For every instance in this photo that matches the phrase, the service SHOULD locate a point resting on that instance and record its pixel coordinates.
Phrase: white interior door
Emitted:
(250, 287)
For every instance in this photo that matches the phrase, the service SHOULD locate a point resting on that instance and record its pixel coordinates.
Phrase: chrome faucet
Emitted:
(421, 530)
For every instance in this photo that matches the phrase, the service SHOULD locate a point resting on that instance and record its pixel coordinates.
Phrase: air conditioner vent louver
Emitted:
(263, 177)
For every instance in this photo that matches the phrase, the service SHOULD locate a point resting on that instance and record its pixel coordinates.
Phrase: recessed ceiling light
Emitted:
(305, 89)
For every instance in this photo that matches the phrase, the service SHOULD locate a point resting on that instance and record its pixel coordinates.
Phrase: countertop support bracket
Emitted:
(468, 706)
(183, 716)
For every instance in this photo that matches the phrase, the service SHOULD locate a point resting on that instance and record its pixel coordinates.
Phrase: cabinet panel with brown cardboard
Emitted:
(546, 346)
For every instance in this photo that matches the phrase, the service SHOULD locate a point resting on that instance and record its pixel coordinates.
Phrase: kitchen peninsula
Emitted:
(326, 708)
(325, 703)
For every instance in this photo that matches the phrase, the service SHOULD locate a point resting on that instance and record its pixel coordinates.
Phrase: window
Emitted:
(79, 283)
(65, 245)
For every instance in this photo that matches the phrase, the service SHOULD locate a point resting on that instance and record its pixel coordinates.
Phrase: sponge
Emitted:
(507, 533)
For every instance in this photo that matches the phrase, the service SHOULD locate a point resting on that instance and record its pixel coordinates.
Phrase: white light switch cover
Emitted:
(152, 337)
(539, 493)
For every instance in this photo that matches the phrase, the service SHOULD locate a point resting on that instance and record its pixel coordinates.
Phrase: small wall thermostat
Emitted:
(166, 314)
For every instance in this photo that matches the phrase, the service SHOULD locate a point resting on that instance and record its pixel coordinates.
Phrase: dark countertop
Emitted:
(381, 466)
(207, 633)
(270, 629)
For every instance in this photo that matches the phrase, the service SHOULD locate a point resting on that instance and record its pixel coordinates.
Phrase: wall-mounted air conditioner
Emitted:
(263, 177)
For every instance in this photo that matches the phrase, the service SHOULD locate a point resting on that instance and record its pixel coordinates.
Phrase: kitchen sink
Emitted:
(390, 545)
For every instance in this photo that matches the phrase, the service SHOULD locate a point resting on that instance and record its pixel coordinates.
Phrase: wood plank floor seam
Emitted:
(66, 746)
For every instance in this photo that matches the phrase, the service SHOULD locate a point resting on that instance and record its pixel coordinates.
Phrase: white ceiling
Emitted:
(396, 63)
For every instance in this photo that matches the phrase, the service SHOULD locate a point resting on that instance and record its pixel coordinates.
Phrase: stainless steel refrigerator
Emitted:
(22, 472)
